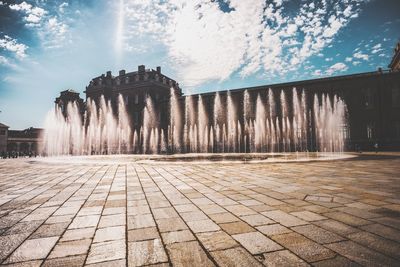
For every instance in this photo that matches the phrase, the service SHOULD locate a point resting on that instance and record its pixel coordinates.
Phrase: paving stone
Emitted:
(336, 227)
(140, 221)
(23, 227)
(112, 220)
(235, 257)
(193, 216)
(40, 214)
(384, 231)
(186, 208)
(308, 216)
(33, 249)
(188, 254)
(165, 213)
(203, 226)
(223, 217)
(70, 248)
(143, 234)
(48, 230)
(239, 210)
(106, 251)
(177, 237)
(256, 220)
(236, 227)
(317, 234)
(216, 240)
(109, 233)
(387, 247)
(303, 247)
(146, 252)
(256, 243)
(77, 234)
(35, 263)
(336, 261)
(281, 258)
(273, 229)
(172, 224)
(347, 218)
(284, 218)
(84, 221)
(10, 242)
(115, 263)
(361, 255)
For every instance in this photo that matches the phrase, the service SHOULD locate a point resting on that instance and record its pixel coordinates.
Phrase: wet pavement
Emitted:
(325, 213)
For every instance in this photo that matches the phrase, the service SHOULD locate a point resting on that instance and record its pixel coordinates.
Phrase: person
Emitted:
(376, 147)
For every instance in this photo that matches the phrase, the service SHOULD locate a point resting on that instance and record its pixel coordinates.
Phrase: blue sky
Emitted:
(49, 46)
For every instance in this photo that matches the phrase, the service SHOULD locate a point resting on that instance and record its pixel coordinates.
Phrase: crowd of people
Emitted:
(15, 154)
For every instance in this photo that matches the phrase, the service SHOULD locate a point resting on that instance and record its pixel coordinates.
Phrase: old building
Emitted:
(20, 142)
(395, 62)
(135, 87)
(3, 137)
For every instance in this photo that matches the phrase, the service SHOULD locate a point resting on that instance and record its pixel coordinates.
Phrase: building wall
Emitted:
(3, 139)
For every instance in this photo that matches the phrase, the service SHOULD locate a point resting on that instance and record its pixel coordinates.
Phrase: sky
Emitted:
(47, 46)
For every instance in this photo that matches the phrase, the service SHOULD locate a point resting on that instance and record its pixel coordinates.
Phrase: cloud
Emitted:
(338, 67)
(51, 28)
(208, 43)
(62, 7)
(12, 45)
(360, 55)
(33, 15)
(348, 59)
(376, 48)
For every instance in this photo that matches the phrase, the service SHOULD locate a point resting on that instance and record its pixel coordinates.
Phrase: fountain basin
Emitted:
(198, 158)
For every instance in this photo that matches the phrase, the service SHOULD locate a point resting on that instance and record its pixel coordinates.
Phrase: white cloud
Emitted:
(348, 59)
(51, 29)
(12, 45)
(376, 48)
(360, 55)
(356, 63)
(328, 59)
(205, 43)
(33, 15)
(62, 7)
(338, 67)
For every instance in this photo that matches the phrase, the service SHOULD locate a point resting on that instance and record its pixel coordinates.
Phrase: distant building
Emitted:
(395, 62)
(20, 141)
(3, 137)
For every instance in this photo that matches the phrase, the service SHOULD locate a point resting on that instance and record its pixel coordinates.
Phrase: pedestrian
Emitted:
(376, 146)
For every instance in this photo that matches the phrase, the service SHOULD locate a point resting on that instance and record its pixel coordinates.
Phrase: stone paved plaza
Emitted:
(328, 213)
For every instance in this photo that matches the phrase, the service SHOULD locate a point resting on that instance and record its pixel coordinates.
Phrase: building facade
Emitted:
(20, 142)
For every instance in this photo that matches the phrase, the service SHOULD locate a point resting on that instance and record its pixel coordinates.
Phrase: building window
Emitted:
(126, 100)
(126, 80)
(157, 97)
(369, 98)
(370, 131)
(136, 99)
(396, 97)
(118, 82)
(2, 132)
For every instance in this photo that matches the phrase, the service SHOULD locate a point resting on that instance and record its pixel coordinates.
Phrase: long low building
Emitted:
(20, 142)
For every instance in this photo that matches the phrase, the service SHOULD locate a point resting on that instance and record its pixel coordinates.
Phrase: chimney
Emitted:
(108, 74)
(121, 72)
(159, 70)
(141, 69)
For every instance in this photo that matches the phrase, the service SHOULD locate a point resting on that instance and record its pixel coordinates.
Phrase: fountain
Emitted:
(263, 121)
